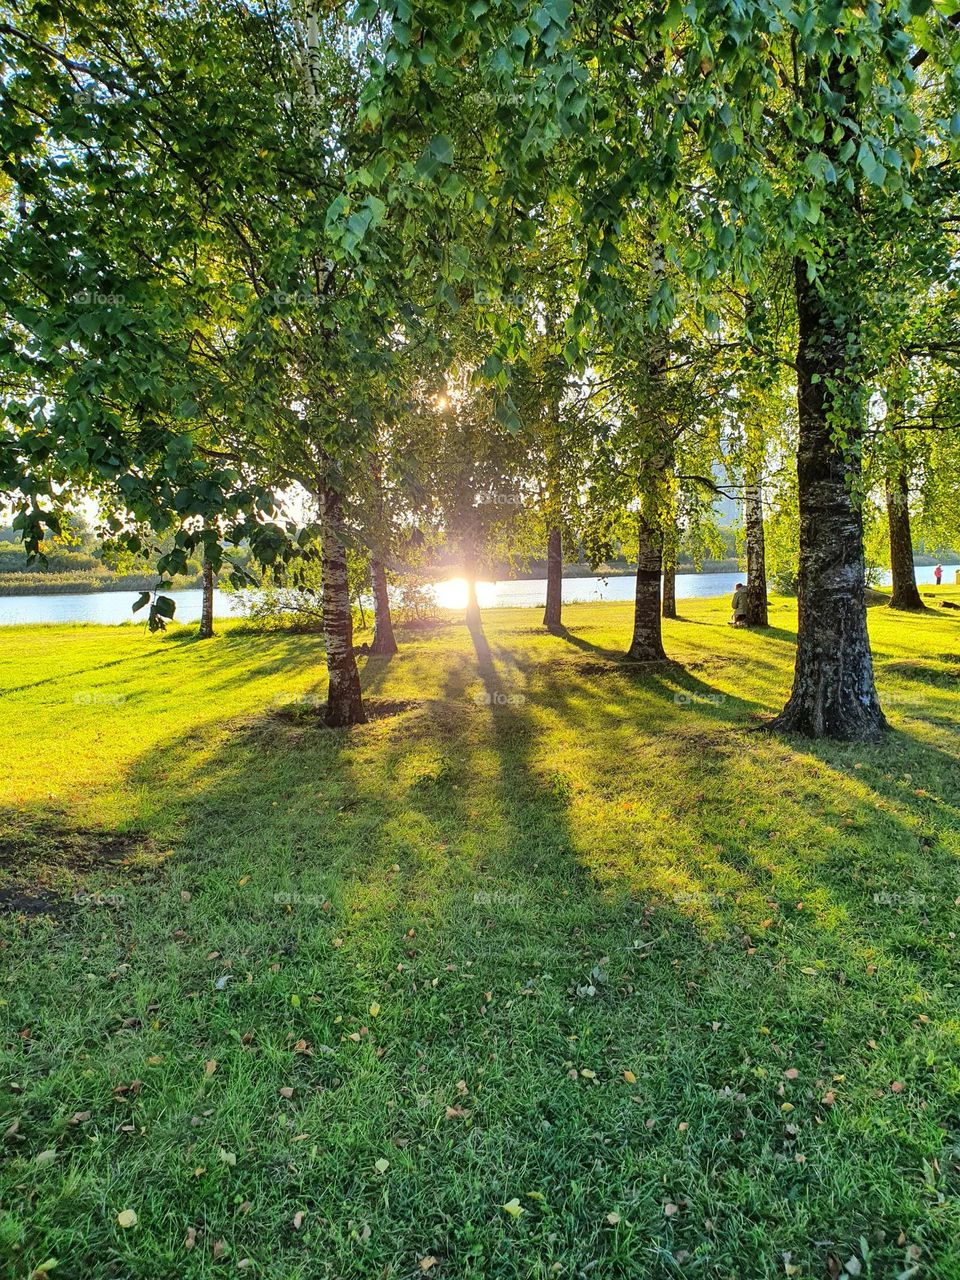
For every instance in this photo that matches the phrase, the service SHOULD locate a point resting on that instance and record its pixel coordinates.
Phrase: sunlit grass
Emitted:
(540, 861)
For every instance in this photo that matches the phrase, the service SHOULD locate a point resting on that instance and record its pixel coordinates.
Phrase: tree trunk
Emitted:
(384, 641)
(647, 645)
(344, 700)
(755, 614)
(669, 607)
(552, 614)
(470, 573)
(905, 594)
(206, 611)
(833, 689)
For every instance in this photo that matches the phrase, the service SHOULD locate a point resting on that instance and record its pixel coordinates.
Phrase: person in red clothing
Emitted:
(938, 573)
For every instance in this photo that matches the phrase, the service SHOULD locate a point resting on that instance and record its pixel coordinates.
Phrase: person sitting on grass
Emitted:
(739, 602)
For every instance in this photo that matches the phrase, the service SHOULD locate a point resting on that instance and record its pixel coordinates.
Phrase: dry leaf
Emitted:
(191, 1238)
(613, 1219)
(286, 1092)
(630, 1077)
(126, 1218)
(897, 1086)
(428, 1262)
(374, 1010)
(670, 1209)
(297, 1219)
(210, 1066)
(382, 1165)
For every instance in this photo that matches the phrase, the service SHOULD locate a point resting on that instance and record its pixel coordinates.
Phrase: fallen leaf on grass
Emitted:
(428, 1262)
(210, 1066)
(286, 1092)
(228, 1157)
(44, 1157)
(382, 1165)
(791, 1073)
(669, 1209)
(126, 1218)
(297, 1220)
(514, 1208)
(374, 1010)
(191, 1238)
(630, 1077)
(897, 1086)
(613, 1219)
(219, 1248)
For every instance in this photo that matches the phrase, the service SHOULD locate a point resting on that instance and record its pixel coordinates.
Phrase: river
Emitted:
(112, 607)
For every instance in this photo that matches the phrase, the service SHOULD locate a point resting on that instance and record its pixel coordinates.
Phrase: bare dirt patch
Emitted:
(45, 862)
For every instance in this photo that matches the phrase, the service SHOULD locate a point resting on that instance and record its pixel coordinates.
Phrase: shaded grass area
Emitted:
(551, 929)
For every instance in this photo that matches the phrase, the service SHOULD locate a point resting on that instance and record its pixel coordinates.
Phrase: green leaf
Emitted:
(438, 152)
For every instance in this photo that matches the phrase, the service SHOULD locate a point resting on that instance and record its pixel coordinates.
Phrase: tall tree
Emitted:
(728, 129)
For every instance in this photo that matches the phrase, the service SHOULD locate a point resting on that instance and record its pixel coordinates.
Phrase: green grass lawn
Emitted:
(555, 968)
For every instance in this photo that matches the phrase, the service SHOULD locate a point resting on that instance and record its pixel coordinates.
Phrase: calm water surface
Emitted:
(112, 607)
